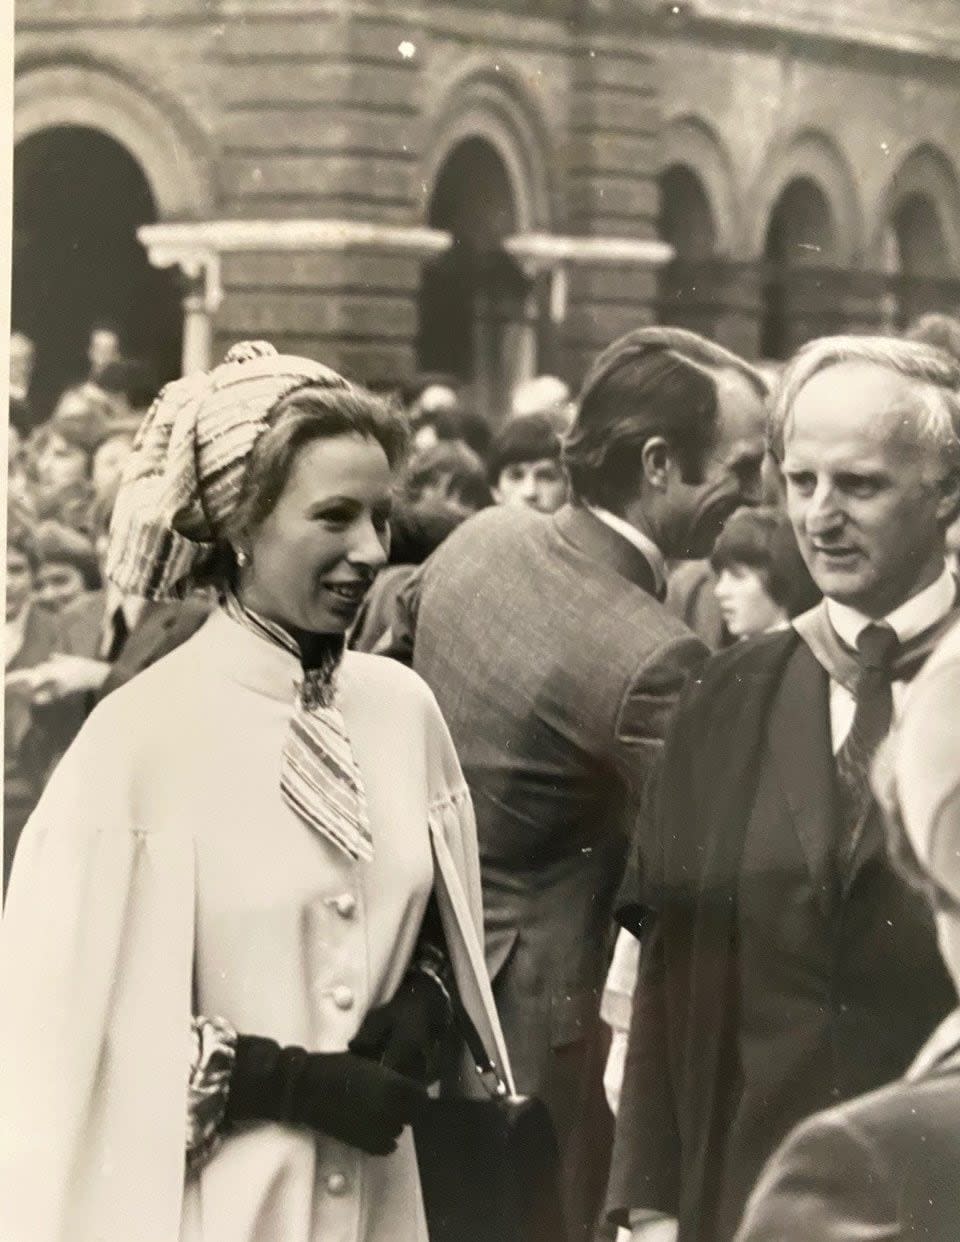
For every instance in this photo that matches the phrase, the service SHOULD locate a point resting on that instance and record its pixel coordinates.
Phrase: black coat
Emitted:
(770, 985)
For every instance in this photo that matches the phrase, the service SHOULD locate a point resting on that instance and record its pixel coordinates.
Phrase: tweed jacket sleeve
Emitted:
(643, 718)
(646, 708)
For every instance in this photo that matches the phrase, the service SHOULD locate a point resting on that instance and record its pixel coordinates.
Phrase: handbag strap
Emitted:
(490, 1076)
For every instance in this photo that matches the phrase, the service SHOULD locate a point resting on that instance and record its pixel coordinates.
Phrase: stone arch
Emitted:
(489, 102)
(812, 157)
(77, 91)
(688, 142)
(927, 181)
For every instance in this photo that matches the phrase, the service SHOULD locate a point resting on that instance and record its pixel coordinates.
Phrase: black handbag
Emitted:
(489, 1168)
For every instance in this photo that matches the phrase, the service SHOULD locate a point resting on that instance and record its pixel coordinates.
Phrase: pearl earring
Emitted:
(242, 558)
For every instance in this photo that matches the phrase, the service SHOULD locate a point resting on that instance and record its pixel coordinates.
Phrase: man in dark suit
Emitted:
(556, 666)
(125, 636)
(787, 967)
(887, 1165)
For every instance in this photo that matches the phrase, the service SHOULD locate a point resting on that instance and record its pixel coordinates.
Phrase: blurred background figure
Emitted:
(942, 331)
(762, 580)
(130, 387)
(439, 488)
(432, 411)
(449, 472)
(524, 466)
(109, 458)
(19, 486)
(66, 566)
(22, 359)
(35, 734)
(103, 348)
(547, 395)
(417, 529)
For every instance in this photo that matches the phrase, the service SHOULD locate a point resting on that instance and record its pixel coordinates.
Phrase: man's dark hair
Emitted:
(131, 378)
(651, 382)
(418, 528)
(532, 437)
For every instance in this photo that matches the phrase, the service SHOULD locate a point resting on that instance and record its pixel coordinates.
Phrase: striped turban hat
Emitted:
(182, 482)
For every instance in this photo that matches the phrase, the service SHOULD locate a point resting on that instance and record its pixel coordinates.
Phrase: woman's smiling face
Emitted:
(313, 558)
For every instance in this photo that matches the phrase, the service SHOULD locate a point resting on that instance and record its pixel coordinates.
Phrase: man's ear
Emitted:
(948, 506)
(657, 459)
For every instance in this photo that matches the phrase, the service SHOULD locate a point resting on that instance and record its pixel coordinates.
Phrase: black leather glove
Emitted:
(405, 1034)
(345, 1096)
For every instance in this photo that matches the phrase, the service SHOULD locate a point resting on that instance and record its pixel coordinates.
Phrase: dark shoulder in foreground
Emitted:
(750, 662)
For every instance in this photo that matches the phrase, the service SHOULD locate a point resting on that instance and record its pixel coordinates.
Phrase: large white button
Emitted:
(346, 905)
(337, 1184)
(343, 997)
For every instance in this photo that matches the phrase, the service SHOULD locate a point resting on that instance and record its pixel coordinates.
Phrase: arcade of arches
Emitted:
(475, 302)
(79, 197)
(801, 286)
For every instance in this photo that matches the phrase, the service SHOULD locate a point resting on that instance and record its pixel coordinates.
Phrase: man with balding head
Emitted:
(556, 667)
(789, 966)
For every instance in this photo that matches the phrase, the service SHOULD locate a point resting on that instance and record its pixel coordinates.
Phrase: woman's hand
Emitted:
(340, 1094)
(405, 1033)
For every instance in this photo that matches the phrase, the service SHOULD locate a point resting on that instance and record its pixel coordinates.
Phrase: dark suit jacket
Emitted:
(162, 627)
(884, 1166)
(80, 623)
(34, 737)
(556, 669)
(770, 985)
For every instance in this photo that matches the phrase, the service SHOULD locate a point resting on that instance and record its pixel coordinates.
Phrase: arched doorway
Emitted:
(473, 298)
(79, 197)
(687, 285)
(799, 255)
(918, 256)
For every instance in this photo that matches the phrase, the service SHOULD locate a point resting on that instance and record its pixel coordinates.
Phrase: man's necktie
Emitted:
(877, 647)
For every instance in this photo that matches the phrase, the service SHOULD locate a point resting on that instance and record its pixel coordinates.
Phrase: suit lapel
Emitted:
(799, 739)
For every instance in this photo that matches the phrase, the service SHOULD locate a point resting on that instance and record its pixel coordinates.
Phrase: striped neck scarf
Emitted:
(319, 777)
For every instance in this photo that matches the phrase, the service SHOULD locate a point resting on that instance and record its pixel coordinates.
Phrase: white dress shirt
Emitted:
(643, 543)
(919, 612)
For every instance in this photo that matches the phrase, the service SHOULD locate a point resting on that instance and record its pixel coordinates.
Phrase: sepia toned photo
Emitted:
(481, 728)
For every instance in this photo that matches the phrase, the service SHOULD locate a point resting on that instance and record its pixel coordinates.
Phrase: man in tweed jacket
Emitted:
(556, 666)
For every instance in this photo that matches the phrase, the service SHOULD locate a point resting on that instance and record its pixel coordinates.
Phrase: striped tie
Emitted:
(319, 777)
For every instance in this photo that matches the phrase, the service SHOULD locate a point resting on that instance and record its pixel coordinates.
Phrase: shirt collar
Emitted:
(919, 612)
(643, 543)
(132, 605)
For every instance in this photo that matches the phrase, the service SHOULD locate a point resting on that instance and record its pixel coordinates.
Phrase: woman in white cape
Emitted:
(239, 912)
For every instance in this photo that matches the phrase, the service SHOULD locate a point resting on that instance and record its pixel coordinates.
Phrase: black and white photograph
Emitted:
(482, 700)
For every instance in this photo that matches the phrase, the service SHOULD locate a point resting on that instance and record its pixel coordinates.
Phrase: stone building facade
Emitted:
(482, 188)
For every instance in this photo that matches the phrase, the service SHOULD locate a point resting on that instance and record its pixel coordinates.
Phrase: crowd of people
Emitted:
(624, 726)
(72, 637)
